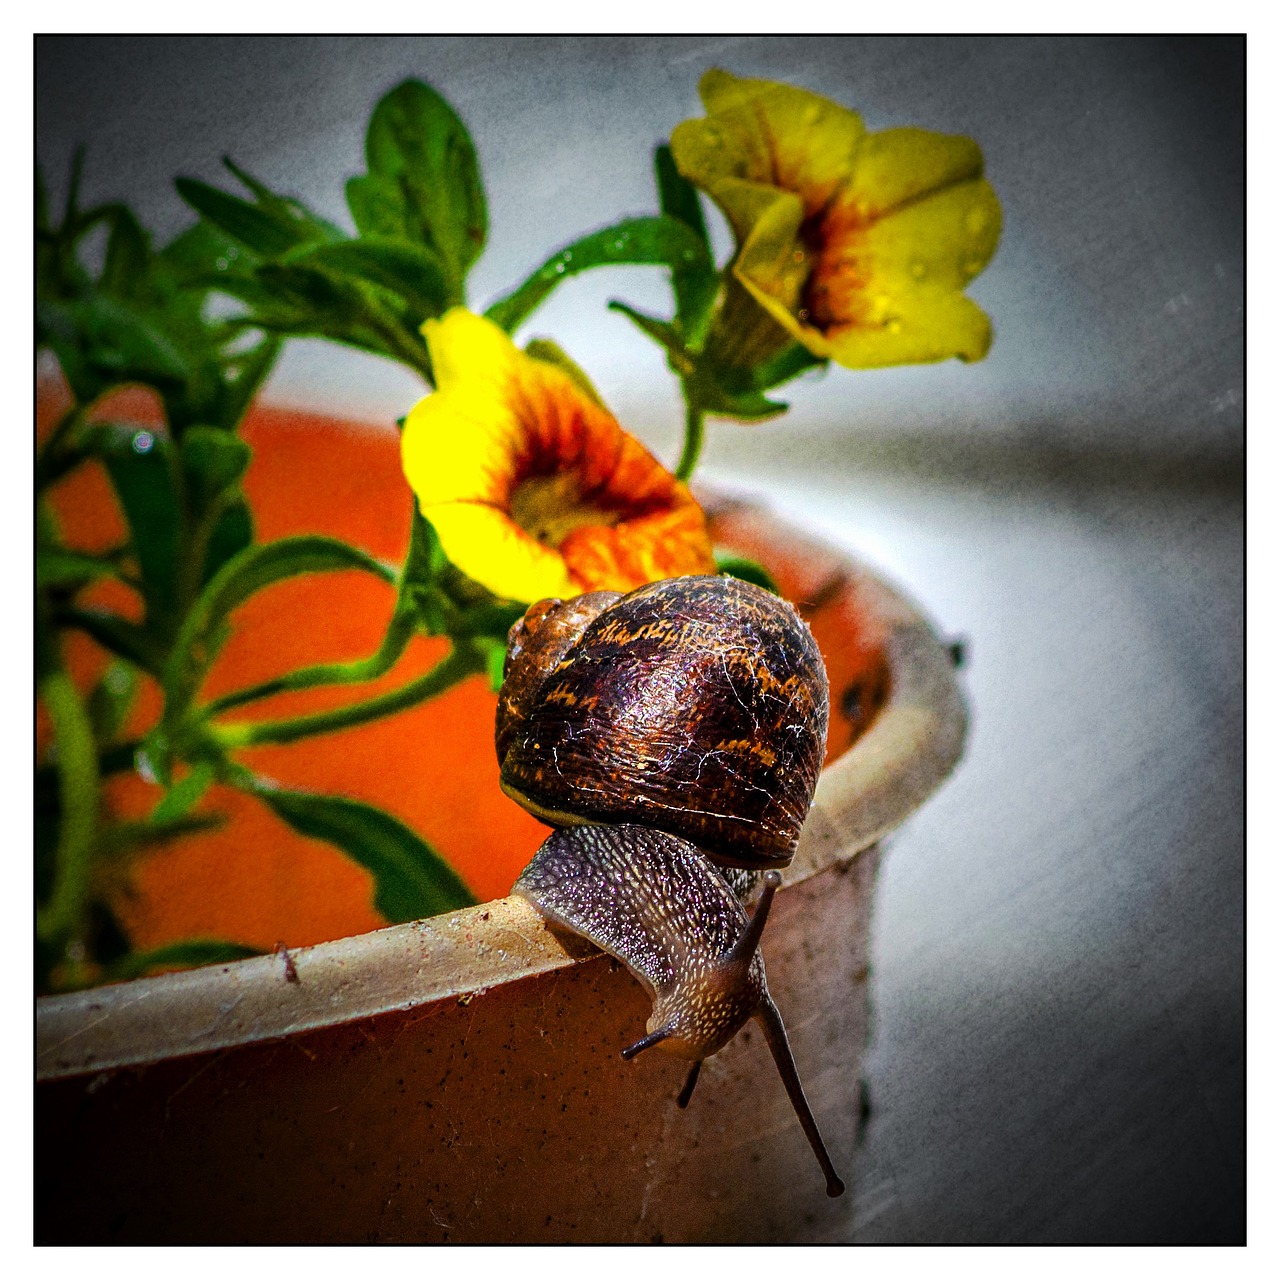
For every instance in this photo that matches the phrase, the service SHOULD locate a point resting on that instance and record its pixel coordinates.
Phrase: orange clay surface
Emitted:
(254, 880)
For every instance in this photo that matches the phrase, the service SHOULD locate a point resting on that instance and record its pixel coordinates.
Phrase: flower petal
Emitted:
(772, 254)
(494, 550)
(891, 292)
(771, 133)
(900, 165)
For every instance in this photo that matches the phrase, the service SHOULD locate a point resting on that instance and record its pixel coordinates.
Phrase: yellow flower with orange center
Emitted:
(532, 487)
(858, 244)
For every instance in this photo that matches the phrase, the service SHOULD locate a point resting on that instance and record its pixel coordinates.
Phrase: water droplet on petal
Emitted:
(803, 314)
(975, 222)
(894, 326)
(798, 256)
(142, 763)
(919, 270)
(143, 442)
(812, 113)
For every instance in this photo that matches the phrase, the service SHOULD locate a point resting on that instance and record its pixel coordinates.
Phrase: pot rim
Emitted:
(888, 772)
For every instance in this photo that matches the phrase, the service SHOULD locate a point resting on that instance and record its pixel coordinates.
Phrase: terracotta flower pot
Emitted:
(458, 1078)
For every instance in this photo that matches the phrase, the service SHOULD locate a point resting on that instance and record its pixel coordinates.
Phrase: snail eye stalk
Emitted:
(654, 1037)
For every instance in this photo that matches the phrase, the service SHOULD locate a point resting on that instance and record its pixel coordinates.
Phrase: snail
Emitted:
(673, 737)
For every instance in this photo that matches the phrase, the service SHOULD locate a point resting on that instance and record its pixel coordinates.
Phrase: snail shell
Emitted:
(697, 706)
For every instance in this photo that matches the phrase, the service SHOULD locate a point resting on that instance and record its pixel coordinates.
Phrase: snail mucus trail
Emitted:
(673, 737)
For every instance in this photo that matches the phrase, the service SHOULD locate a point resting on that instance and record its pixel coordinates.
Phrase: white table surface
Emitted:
(1057, 975)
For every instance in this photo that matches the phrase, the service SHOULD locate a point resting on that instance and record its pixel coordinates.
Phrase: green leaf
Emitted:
(111, 700)
(231, 535)
(735, 566)
(792, 362)
(212, 460)
(253, 569)
(268, 234)
(400, 630)
(495, 659)
(704, 382)
(654, 241)
(411, 880)
(117, 635)
(663, 332)
(60, 567)
(184, 955)
(242, 378)
(550, 353)
(125, 839)
(695, 284)
(445, 600)
(286, 209)
(139, 466)
(102, 342)
(746, 405)
(127, 258)
(423, 183)
(203, 254)
(298, 307)
(178, 801)
(411, 271)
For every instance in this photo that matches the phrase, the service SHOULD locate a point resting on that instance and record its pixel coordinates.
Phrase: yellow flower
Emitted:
(859, 244)
(532, 487)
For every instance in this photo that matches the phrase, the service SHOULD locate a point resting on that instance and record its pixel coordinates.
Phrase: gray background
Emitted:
(1058, 973)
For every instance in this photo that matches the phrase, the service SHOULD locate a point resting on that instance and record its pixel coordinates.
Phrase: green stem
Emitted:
(462, 662)
(78, 797)
(393, 645)
(693, 432)
(193, 539)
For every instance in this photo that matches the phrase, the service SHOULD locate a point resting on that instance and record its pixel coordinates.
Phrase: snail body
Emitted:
(669, 733)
